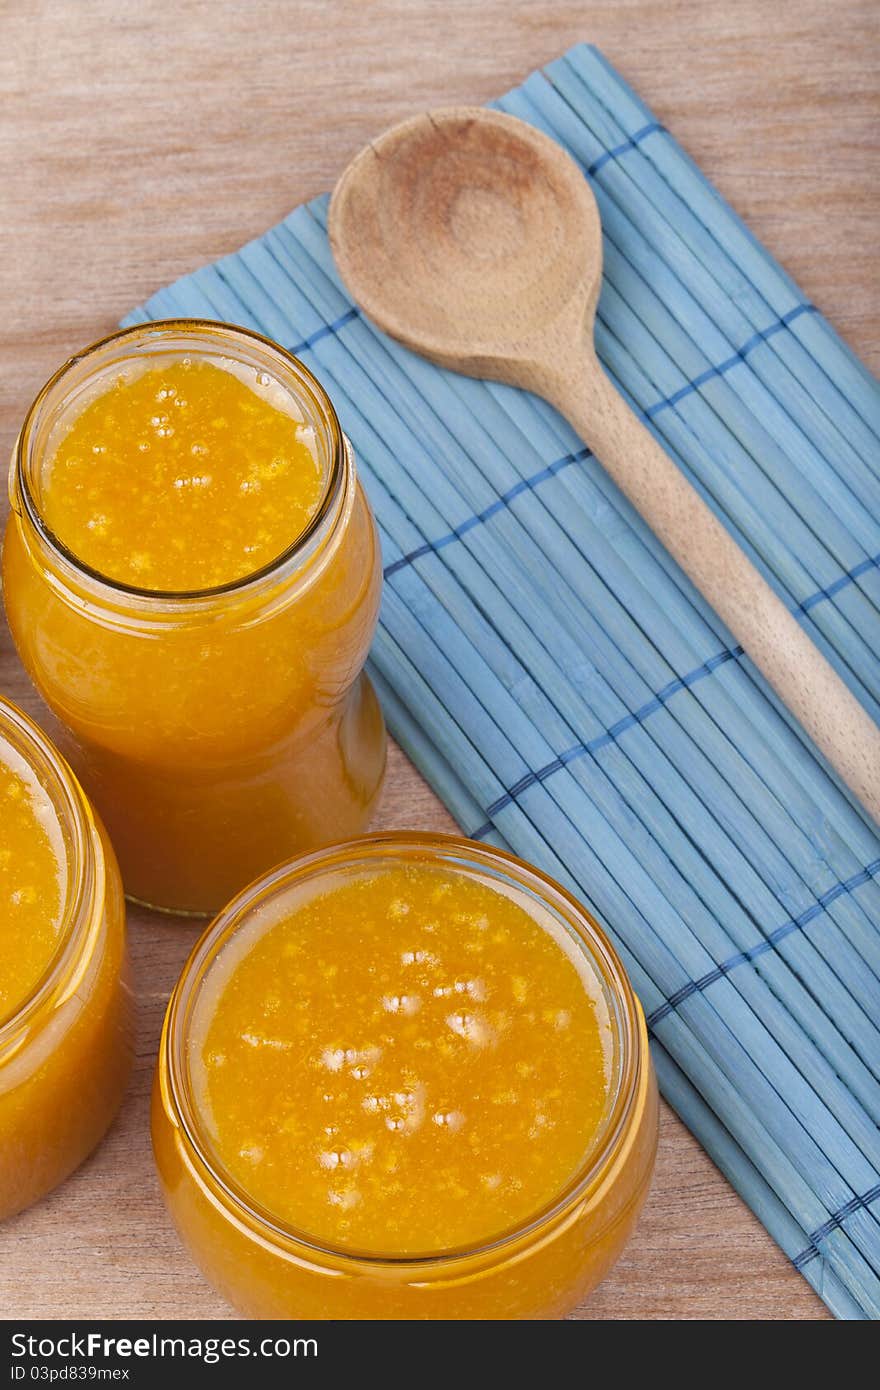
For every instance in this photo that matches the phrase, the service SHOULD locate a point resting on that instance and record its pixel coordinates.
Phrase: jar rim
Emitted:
(307, 386)
(382, 847)
(77, 827)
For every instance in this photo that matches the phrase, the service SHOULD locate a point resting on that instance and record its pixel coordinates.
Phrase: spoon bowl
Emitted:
(469, 236)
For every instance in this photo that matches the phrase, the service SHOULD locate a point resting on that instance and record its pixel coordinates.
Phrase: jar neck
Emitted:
(252, 600)
(114, 603)
(82, 908)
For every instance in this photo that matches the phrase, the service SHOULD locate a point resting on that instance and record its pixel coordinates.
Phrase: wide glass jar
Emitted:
(66, 1046)
(218, 731)
(563, 1241)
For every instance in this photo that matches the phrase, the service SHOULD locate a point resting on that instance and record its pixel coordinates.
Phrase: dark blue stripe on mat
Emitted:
(526, 485)
(608, 736)
(651, 128)
(629, 721)
(768, 944)
(553, 468)
(872, 562)
(734, 361)
(834, 1223)
(324, 332)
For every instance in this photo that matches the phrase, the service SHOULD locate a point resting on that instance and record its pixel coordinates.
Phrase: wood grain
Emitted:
(140, 141)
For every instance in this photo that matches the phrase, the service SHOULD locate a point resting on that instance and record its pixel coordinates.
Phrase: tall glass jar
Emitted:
(65, 1050)
(541, 1269)
(222, 730)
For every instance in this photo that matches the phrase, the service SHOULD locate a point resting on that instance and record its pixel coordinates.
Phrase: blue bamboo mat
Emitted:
(569, 695)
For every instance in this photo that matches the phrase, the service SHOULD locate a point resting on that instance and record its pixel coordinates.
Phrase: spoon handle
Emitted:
(726, 577)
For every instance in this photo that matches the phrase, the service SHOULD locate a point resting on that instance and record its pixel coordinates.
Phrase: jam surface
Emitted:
(32, 876)
(183, 477)
(408, 1062)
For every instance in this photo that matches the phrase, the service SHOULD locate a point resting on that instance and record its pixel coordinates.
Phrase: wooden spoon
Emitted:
(476, 241)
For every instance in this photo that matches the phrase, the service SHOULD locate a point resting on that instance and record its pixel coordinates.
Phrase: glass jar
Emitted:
(542, 1269)
(66, 1050)
(218, 731)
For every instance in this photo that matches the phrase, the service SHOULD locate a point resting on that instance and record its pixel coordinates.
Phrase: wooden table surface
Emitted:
(140, 141)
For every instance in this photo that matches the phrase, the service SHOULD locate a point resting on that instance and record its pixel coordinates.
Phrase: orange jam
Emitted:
(401, 1063)
(405, 1063)
(33, 872)
(183, 477)
(65, 1023)
(192, 578)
